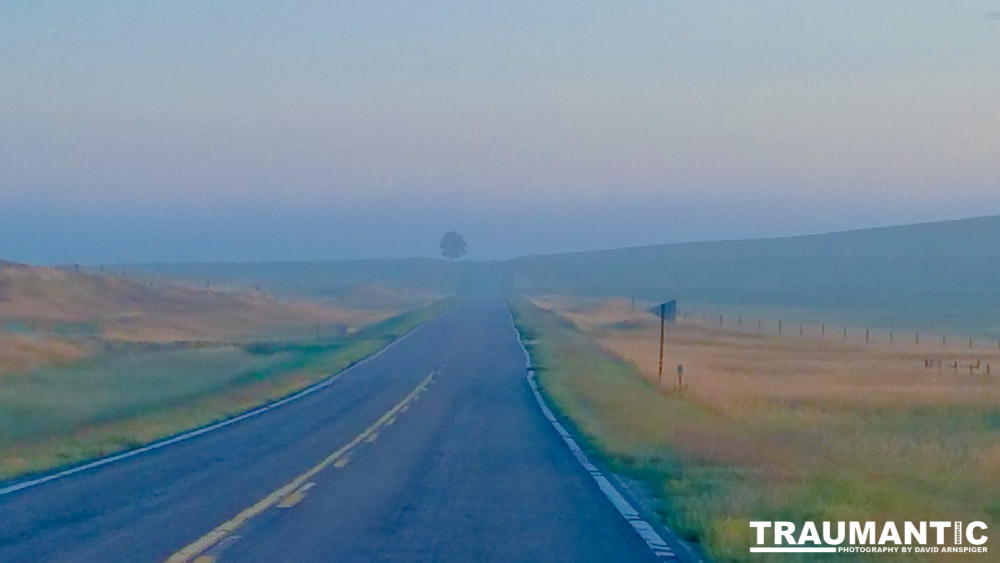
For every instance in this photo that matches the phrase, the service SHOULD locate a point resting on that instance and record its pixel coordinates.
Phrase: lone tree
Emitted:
(453, 245)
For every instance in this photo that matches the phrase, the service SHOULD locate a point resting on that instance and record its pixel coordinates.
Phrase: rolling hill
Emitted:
(327, 279)
(55, 315)
(947, 271)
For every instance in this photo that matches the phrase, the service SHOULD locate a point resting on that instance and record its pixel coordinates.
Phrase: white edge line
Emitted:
(211, 427)
(643, 528)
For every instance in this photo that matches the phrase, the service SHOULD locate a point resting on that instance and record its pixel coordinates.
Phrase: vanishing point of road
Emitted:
(434, 450)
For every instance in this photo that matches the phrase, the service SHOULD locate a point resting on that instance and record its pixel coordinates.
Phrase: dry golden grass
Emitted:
(91, 364)
(126, 395)
(739, 372)
(132, 311)
(801, 426)
(21, 353)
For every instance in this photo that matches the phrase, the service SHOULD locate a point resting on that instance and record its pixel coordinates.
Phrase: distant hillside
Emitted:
(944, 268)
(37, 300)
(311, 279)
(369, 295)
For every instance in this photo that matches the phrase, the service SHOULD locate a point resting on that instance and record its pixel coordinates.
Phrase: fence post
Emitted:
(822, 331)
(867, 336)
(891, 337)
(800, 329)
(845, 334)
(779, 326)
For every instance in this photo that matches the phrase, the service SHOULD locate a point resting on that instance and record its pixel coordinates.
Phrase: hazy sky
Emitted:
(203, 130)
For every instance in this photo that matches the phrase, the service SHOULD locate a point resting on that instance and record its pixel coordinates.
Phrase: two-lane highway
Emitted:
(434, 450)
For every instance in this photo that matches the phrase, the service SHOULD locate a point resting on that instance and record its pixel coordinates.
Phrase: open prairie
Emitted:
(91, 363)
(934, 276)
(317, 281)
(74, 303)
(768, 427)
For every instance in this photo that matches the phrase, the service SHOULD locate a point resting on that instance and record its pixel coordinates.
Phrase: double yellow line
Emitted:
(212, 538)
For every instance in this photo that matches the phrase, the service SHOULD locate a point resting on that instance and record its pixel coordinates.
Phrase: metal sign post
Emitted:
(665, 310)
(663, 316)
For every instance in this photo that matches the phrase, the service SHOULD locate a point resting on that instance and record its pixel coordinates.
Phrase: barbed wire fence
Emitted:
(941, 350)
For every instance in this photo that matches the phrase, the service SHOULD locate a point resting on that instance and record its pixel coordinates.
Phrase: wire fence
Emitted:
(940, 350)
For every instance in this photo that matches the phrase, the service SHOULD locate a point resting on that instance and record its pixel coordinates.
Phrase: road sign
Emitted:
(666, 310)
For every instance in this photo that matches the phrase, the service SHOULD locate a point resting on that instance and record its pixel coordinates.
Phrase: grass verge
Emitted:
(64, 416)
(797, 448)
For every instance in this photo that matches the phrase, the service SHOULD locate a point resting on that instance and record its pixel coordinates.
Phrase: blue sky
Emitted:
(152, 131)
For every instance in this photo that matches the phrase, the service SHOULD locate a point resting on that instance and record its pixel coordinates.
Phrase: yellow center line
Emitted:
(296, 497)
(291, 500)
(205, 542)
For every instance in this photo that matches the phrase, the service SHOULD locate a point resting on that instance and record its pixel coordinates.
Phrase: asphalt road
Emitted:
(434, 450)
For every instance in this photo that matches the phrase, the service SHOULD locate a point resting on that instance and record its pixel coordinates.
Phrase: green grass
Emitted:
(57, 400)
(714, 472)
(612, 407)
(128, 397)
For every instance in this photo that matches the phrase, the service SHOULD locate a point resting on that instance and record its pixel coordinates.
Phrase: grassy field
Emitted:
(942, 276)
(773, 428)
(74, 304)
(91, 363)
(903, 325)
(312, 280)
